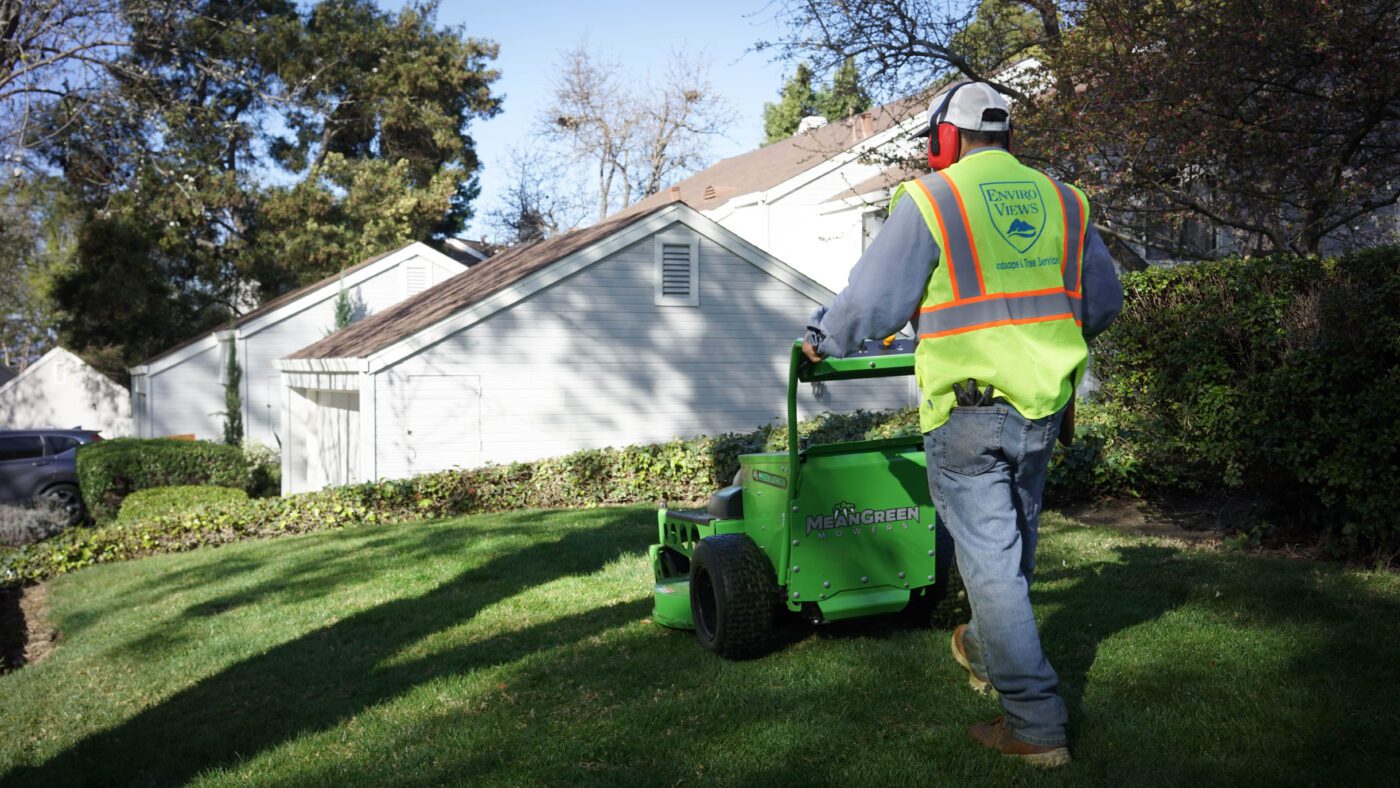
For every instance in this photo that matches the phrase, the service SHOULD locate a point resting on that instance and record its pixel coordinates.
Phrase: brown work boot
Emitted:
(997, 735)
(979, 684)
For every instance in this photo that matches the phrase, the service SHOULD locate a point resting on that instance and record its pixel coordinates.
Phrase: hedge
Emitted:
(157, 501)
(680, 471)
(108, 471)
(1277, 377)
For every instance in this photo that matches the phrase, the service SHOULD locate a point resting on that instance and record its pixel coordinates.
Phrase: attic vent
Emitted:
(416, 278)
(709, 192)
(677, 270)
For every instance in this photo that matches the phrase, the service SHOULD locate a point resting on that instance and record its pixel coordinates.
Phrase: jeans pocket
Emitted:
(971, 440)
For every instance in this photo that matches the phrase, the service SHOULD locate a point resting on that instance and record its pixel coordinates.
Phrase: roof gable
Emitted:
(295, 301)
(514, 275)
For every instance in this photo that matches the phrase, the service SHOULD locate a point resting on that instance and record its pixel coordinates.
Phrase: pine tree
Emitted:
(845, 97)
(797, 100)
(233, 399)
(344, 308)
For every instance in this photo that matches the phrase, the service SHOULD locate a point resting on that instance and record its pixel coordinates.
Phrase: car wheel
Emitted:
(67, 499)
(732, 596)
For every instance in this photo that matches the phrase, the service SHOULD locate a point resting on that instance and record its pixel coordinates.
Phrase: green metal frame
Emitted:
(878, 564)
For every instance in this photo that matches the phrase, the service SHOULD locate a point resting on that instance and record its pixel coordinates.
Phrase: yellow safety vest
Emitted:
(1004, 305)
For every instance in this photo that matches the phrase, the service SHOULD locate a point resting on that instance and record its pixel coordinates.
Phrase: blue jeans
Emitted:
(986, 471)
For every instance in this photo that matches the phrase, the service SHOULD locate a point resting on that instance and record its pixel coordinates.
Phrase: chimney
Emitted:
(867, 125)
(675, 194)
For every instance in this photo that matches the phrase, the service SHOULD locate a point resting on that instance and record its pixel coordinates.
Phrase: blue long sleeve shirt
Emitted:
(888, 283)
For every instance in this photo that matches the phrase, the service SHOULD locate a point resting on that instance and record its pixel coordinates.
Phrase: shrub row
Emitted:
(680, 471)
(108, 471)
(157, 501)
(1278, 377)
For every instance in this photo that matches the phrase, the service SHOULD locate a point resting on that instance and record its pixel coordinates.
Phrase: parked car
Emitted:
(40, 465)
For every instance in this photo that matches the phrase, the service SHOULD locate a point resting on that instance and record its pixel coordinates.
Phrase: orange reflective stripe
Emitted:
(967, 227)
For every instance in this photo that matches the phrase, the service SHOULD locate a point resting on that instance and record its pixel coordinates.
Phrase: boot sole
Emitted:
(979, 686)
(1047, 760)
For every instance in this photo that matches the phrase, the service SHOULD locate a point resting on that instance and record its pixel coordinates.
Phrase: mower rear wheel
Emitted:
(733, 596)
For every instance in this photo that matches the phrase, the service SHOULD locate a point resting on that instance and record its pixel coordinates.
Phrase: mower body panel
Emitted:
(848, 528)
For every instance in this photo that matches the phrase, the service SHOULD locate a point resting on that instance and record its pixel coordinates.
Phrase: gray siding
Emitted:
(188, 398)
(593, 362)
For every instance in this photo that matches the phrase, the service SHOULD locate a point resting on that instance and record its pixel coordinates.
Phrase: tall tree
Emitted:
(845, 96)
(635, 135)
(51, 48)
(532, 207)
(244, 147)
(1271, 124)
(796, 100)
(1277, 123)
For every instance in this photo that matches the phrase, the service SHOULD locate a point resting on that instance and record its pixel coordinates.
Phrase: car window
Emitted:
(21, 447)
(58, 444)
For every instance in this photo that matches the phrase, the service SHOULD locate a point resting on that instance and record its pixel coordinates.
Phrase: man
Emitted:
(1005, 278)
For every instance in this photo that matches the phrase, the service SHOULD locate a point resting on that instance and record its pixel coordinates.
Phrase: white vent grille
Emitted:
(417, 278)
(677, 270)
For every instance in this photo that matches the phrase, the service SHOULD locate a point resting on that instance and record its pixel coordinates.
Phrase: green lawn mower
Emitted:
(827, 533)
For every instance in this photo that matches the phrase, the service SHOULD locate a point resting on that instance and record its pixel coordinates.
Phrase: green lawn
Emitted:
(513, 650)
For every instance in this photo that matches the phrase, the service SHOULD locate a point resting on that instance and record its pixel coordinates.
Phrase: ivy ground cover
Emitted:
(514, 649)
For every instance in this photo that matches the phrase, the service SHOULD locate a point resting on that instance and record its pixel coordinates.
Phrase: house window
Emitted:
(416, 277)
(677, 269)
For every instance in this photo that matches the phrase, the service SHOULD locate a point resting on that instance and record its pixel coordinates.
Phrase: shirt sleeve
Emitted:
(884, 289)
(1103, 293)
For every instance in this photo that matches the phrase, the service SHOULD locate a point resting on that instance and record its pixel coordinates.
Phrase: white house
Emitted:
(181, 391)
(814, 199)
(62, 391)
(655, 323)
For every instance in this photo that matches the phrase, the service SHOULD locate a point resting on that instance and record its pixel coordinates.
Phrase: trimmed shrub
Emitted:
(108, 471)
(1277, 376)
(157, 501)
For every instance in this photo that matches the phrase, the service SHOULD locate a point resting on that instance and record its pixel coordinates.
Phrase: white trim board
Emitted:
(298, 305)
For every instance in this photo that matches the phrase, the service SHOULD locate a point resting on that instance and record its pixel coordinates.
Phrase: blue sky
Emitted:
(639, 36)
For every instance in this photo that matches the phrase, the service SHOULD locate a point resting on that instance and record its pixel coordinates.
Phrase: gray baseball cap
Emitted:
(967, 109)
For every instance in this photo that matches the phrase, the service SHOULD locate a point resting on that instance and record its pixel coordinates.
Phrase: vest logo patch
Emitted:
(1017, 211)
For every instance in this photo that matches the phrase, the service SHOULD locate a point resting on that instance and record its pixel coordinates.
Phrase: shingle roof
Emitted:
(488, 277)
(762, 169)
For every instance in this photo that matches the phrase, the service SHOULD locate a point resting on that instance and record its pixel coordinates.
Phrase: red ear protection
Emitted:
(944, 146)
(944, 143)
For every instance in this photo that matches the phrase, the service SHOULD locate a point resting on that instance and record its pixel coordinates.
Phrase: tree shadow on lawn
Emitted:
(873, 703)
(329, 675)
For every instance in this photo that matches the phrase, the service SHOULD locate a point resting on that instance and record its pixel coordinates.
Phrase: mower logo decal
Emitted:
(845, 514)
(1017, 211)
(772, 480)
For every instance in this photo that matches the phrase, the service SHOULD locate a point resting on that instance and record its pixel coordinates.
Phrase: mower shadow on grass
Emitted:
(331, 674)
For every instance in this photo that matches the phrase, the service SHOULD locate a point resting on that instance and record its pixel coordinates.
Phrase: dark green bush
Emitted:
(109, 471)
(1273, 376)
(157, 501)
